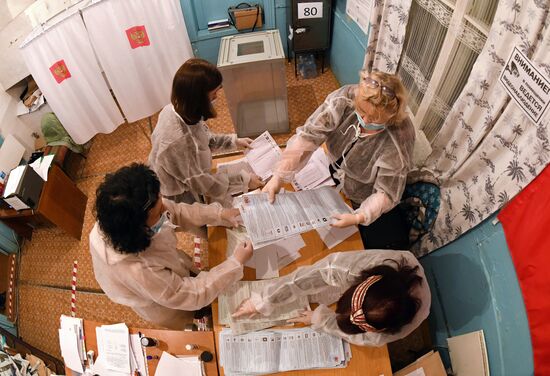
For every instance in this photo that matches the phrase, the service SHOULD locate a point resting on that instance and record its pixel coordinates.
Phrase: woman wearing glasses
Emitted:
(369, 139)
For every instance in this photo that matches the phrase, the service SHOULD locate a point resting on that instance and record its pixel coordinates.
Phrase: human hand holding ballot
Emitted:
(244, 142)
(231, 216)
(273, 187)
(347, 219)
(246, 309)
(304, 318)
(243, 252)
(255, 182)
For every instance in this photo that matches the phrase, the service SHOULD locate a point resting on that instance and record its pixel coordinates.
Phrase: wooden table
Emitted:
(365, 361)
(61, 204)
(171, 341)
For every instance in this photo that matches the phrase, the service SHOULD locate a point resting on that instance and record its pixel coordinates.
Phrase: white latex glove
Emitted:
(231, 216)
(245, 310)
(255, 182)
(304, 318)
(243, 252)
(244, 142)
(347, 219)
(273, 187)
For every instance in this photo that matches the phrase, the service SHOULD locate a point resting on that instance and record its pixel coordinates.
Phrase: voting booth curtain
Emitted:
(138, 45)
(488, 149)
(62, 62)
(526, 220)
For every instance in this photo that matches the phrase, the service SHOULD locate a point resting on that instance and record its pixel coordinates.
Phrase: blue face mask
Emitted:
(157, 226)
(369, 126)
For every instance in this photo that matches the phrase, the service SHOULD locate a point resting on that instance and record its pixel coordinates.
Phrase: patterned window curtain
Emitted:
(487, 150)
(388, 24)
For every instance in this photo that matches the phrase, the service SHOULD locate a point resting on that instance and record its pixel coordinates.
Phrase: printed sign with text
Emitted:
(527, 85)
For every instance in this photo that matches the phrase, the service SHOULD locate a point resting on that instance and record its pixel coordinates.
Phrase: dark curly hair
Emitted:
(122, 204)
(388, 304)
(192, 83)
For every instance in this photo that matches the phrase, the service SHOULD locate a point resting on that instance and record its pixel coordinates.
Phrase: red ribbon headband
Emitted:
(357, 316)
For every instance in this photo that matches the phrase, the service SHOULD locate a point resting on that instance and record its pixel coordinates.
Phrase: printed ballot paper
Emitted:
(239, 291)
(292, 213)
(281, 350)
(263, 155)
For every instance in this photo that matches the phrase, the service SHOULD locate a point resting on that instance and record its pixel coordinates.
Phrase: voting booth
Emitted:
(254, 81)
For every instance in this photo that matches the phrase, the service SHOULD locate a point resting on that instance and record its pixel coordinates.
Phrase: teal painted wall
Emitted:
(348, 46)
(205, 43)
(474, 286)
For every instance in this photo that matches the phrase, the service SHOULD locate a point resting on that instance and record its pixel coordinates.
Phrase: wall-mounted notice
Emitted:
(359, 11)
(310, 10)
(527, 85)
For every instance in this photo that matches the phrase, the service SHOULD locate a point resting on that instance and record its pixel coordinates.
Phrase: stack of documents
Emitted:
(71, 342)
(120, 354)
(170, 365)
(281, 350)
(292, 213)
(267, 260)
(231, 298)
(314, 174)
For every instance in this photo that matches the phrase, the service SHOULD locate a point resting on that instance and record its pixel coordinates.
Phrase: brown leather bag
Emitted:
(245, 16)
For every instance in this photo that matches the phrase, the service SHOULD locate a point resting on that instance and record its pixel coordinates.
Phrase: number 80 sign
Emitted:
(310, 10)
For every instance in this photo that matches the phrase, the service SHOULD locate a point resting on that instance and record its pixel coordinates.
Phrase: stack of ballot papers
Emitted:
(314, 174)
(71, 342)
(268, 259)
(120, 354)
(272, 351)
(180, 365)
(239, 291)
(292, 213)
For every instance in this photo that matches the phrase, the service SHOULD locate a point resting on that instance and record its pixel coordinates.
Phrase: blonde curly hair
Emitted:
(395, 106)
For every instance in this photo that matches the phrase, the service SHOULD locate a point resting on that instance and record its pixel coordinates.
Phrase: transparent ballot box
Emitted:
(254, 82)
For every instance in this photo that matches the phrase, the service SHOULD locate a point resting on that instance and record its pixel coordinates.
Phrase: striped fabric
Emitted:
(357, 316)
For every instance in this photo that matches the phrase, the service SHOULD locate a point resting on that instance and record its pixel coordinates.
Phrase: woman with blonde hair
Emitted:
(370, 140)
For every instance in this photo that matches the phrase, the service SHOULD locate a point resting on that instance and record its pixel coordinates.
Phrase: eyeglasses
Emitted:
(372, 83)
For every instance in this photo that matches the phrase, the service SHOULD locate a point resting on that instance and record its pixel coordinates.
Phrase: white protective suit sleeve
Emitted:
(341, 269)
(189, 217)
(222, 142)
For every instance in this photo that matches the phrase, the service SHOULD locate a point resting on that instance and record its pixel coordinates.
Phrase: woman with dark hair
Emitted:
(380, 295)
(369, 140)
(182, 144)
(134, 249)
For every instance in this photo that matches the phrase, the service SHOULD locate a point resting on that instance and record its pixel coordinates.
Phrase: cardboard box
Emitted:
(245, 18)
(428, 365)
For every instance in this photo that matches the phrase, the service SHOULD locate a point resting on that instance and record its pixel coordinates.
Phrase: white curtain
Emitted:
(388, 24)
(487, 149)
(140, 45)
(63, 64)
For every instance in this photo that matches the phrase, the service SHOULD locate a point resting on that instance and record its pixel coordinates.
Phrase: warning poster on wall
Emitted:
(527, 85)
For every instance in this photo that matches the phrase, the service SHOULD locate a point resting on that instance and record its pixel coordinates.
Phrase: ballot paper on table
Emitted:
(332, 236)
(239, 291)
(281, 350)
(268, 259)
(42, 166)
(71, 342)
(314, 174)
(263, 155)
(114, 348)
(170, 365)
(292, 213)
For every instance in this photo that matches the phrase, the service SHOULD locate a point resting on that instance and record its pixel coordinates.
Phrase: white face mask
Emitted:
(157, 226)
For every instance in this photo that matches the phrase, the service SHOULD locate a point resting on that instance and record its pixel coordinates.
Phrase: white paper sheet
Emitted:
(332, 236)
(267, 263)
(280, 350)
(170, 365)
(115, 347)
(138, 359)
(69, 349)
(263, 155)
(314, 174)
(291, 213)
(42, 166)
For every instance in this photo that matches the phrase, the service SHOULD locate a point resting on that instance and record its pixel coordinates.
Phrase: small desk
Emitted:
(61, 204)
(171, 341)
(365, 361)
